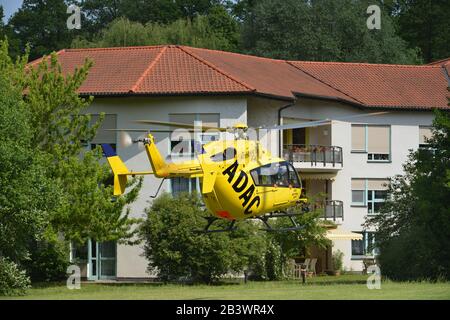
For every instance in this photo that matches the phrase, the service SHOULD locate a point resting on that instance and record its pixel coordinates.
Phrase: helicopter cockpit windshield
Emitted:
(280, 174)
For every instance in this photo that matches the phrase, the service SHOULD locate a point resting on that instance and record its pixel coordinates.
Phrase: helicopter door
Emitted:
(277, 184)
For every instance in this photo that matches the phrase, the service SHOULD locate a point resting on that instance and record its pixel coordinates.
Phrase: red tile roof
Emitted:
(175, 70)
(382, 85)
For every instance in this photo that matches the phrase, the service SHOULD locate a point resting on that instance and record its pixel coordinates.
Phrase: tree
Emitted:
(175, 250)
(100, 13)
(50, 185)
(43, 25)
(425, 24)
(321, 30)
(215, 31)
(60, 126)
(29, 196)
(414, 224)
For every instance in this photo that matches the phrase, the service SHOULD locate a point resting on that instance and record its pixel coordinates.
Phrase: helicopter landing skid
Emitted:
(211, 220)
(265, 219)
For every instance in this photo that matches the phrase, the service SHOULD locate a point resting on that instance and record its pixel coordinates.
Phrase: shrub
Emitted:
(175, 250)
(48, 261)
(338, 260)
(13, 281)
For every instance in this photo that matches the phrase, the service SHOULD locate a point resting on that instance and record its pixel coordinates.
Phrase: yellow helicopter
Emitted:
(239, 178)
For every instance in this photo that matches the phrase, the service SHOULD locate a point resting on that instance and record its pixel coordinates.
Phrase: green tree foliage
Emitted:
(414, 224)
(99, 13)
(214, 31)
(29, 197)
(425, 24)
(176, 251)
(51, 186)
(42, 24)
(61, 125)
(321, 30)
(13, 281)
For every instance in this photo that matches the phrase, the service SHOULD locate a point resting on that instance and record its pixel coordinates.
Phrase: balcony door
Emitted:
(102, 260)
(299, 136)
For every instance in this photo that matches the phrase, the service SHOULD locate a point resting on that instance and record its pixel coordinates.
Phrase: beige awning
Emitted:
(317, 176)
(339, 234)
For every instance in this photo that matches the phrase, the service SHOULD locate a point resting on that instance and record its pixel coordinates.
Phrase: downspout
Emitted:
(280, 141)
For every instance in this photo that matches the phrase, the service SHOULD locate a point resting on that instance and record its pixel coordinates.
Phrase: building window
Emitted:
(378, 143)
(78, 252)
(369, 192)
(375, 140)
(359, 138)
(185, 143)
(366, 246)
(425, 133)
(105, 133)
(183, 185)
(359, 192)
(375, 199)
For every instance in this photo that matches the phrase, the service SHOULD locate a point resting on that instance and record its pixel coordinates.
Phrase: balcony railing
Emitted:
(314, 154)
(332, 209)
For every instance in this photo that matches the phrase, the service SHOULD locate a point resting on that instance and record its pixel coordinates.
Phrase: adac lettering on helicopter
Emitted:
(243, 185)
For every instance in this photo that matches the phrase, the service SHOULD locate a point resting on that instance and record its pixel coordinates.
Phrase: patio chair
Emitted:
(312, 267)
(367, 263)
(305, 265)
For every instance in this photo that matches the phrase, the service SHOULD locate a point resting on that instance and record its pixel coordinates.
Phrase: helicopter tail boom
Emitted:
(119, 169)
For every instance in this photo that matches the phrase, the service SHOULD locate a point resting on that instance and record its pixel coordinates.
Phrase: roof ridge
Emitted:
(217, 69)
(237, 54)
(439, 62)
(119, 48)
(365, 64)
(39, 60)
(325, 83)
(149, 68)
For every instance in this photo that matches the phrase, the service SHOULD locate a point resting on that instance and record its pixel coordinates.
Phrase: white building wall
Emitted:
(258, 112)
(130, 262)
(404, 136)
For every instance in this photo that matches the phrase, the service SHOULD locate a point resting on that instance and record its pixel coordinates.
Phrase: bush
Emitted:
(48, 261)
(178, 252)
(13, 281)
(338, 260)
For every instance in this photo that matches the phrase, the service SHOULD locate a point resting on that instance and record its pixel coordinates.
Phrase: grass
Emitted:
(327, 287)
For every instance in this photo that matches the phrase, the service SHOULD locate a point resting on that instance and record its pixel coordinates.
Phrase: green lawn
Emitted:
(327, 287)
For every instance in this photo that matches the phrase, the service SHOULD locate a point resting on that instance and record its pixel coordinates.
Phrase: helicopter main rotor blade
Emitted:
(180, 125)
(140, 130)
(321, 122)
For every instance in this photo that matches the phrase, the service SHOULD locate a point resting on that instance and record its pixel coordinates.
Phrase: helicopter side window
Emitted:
(227, 154)
(275, 174)
(293, 177)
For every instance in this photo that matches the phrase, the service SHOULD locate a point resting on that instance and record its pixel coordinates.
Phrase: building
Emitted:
(349, 160)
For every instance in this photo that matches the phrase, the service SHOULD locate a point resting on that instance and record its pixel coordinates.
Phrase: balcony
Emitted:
(332, 209)
(310, 157)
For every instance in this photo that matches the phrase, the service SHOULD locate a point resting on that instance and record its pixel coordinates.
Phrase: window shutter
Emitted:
(379, 139)
(358, 137)
(377, 184)
(103, 135)
(424, 134)
(358, 184)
